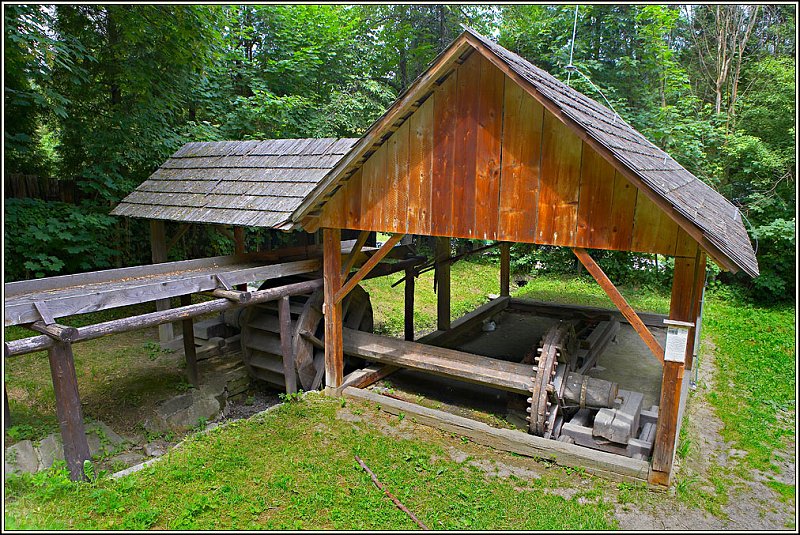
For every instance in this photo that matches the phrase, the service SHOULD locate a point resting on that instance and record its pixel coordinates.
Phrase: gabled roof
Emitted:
(249, 183)
(705, 214)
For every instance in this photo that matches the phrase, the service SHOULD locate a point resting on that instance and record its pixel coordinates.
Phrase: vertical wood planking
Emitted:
(596, 198)
(686, 245)
(653, 230)
(373, 185)
(395, 214)
(332, 275)
(523, 120)
(466, 142)
(623, 206)
(353, 201)
(444, 122)
(68, 408)
(560, 183)
(420, 168)
(488, 161)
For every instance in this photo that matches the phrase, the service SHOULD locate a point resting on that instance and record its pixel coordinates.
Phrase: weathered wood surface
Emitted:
(364, 377)
(597, 462)
(623, 306)
(62, 333)
(334, 358)
(38, 343)
(285, 320)
(581, 311)
(509, 376)
(68, 408)
(189, 350)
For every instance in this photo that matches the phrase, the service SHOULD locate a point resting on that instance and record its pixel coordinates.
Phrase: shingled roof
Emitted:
(248, 183)
(695, 203)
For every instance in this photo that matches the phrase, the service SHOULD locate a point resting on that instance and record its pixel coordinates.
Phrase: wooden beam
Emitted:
(597, 462)
(505, 269)
(332, 308)
(285, 320)
(542, 308)
(158, 246)
(367, 267)
(442, 280)
(68, 408)
(62, 333)
(366, 376)
(408, 305)
(350, 261)
(189, 351)
(142, 321)
(620, 302)
(239, 249)
(466, 323)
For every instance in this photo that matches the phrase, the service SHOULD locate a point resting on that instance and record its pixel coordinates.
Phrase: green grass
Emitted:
(294, 468)
(786, 492)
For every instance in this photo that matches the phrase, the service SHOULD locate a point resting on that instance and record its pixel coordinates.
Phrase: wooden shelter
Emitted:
(485, 145)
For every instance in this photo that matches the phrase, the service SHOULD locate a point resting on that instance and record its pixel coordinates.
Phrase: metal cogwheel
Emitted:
(557, 346)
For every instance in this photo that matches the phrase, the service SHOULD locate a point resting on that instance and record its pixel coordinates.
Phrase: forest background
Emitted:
(98, 96)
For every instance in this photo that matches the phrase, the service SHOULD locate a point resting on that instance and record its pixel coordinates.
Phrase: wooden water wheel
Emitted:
(261, 342)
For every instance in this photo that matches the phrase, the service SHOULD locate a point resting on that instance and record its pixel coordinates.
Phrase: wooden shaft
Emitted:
(366, 268)
(234, 295)
(442, 277)
(68, 408)
(353, 255)
(332, 261)
(408, 312)
(62, 333)
(620, 302)
(285, 320)
(158, 246)
(38, 343)
(505, 269)
(189, 350)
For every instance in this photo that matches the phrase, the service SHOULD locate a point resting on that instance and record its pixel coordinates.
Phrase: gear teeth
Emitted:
(528, 410)
(530, 400)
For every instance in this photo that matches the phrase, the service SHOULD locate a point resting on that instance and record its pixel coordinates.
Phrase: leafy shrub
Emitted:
(776, 258)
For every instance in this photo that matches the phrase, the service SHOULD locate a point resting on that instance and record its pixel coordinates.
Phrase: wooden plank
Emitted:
(596, 462)
(685, 246)
(523, 118)
(352, 194)
(623, 207)
(488, 152)
(466, 323)
(366, 376)
(285, 320)
(367, 267)
(189, 351)
(395, 213)
(505, 269)
(408, 306)
(477, 369)
(620, 302)
(158, 246)
(595, 201)
(560, 183)
(142, 290)
(334, 359)
(444, 124)
(462, 209)
(68, 408)
(653, 230)
(420, 169)
(442, 276)
(372, 180)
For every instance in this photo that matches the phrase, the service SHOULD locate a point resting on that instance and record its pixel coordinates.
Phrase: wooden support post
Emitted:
(285, 320)
(684, 305)
(442, 284)
(367, 267)
(332, 275)
(408, 312)
(6, 409)
(158, 245)
(505, 269)
(620, 302)
(238, 248)
(68, 408)
(189, 350)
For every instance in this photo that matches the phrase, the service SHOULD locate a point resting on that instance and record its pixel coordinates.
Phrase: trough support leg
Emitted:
(188, 345)
(6, 410)
(683, 307)
(442, 284)
(332, 275)
(238, 248)
(285, 320)
(409, 306)
(505, 269)
(68, 408)
(158, 245)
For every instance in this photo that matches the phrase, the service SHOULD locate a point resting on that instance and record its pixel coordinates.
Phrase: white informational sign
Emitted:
(677, 336)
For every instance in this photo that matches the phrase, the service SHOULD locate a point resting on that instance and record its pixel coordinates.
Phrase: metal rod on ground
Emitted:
(390, 495)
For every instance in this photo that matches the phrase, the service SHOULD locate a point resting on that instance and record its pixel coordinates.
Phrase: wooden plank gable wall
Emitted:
(481, 158)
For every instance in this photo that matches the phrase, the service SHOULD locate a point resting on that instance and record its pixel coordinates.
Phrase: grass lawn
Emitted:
(293, 468)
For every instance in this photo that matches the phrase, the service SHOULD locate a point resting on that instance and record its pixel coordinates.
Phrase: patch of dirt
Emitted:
(260, 399)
